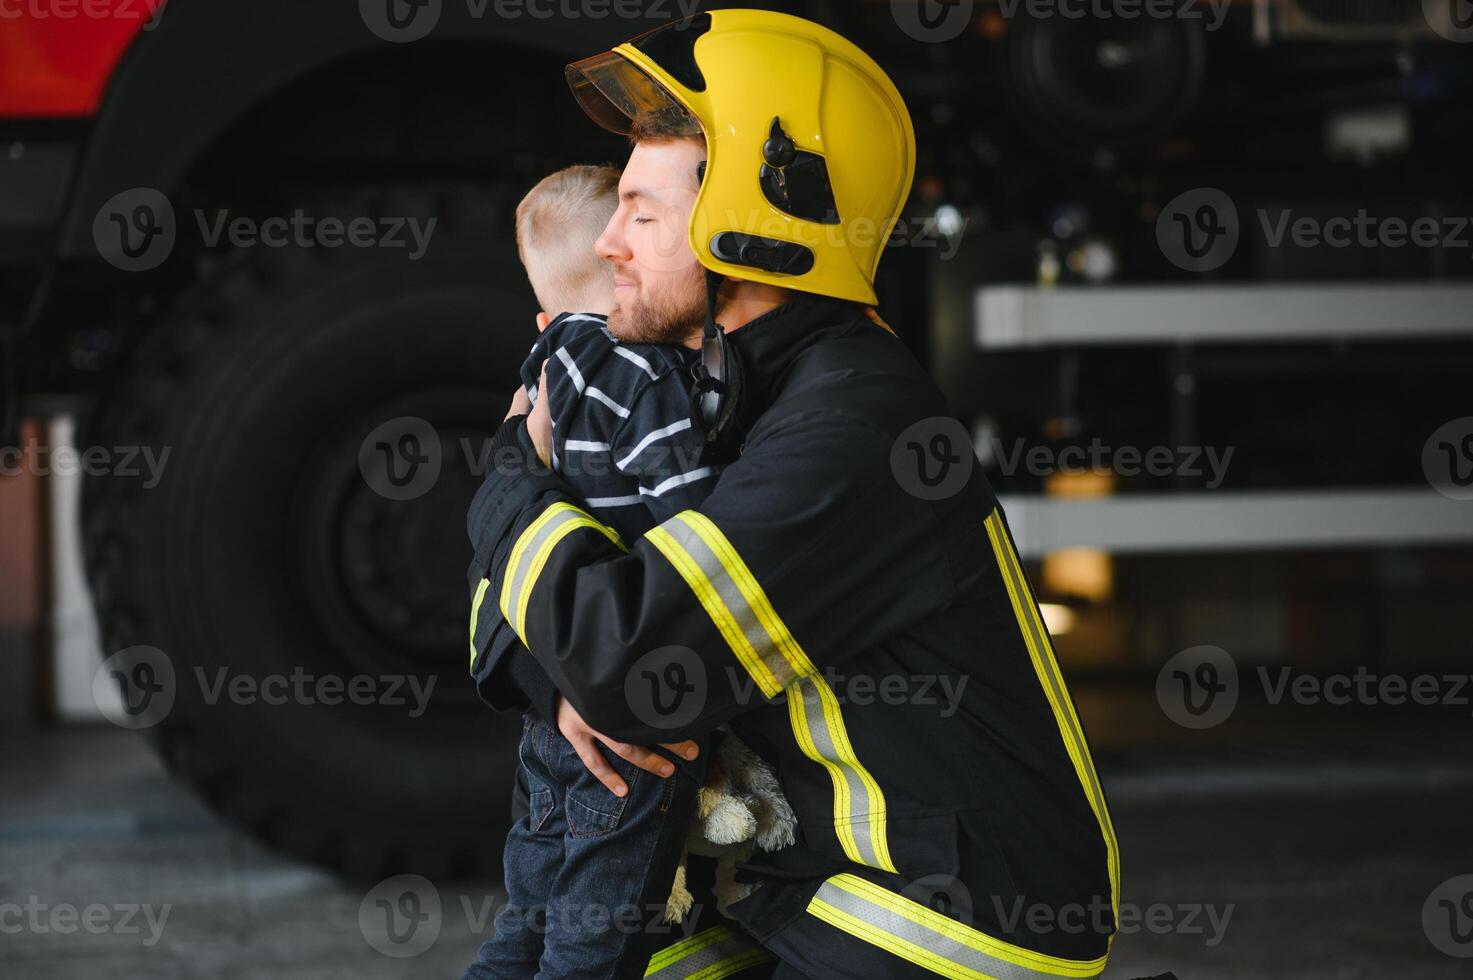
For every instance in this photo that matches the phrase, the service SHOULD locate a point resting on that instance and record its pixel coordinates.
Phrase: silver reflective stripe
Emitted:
(856, 815)
(736, 603)
(517, 577)
(711, 953)
(934, 946)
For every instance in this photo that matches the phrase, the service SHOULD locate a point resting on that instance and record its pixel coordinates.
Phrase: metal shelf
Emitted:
(1017, 316)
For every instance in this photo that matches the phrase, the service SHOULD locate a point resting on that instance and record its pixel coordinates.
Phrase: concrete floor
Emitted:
(1326, 868)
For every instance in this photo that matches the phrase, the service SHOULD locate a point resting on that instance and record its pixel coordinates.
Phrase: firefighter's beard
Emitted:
(673, 316)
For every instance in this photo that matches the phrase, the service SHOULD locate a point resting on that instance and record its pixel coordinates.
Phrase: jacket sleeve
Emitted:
(806, 553)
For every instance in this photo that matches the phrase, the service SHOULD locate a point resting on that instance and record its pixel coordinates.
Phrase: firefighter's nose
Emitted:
(610, 245)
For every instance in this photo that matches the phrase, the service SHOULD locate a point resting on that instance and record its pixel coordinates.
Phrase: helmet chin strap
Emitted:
(717, 389)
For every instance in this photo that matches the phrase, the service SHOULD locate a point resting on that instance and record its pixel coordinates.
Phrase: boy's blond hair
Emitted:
(557, 223)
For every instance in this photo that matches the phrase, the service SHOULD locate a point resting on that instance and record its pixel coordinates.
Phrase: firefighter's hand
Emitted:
(577, 732)
(539, 422)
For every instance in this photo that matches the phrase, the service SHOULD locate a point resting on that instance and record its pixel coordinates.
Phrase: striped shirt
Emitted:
(622, 439)
(621, 422)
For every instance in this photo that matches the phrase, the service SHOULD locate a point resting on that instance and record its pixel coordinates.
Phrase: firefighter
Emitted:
(848, 598)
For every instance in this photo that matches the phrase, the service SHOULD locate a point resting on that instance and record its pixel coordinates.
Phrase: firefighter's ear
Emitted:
(543, 320)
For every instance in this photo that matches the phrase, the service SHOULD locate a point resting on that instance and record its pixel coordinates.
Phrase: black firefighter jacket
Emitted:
(854, 607)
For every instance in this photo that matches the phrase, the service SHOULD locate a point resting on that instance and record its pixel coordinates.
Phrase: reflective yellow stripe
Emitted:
(545, 551)
(859, 804)
(518, 554)
(530, 553)
(751, 591)
(1040, 650)
(772, 656)
(923, 936)
(716, 608)
(708, 955)
(476, 612)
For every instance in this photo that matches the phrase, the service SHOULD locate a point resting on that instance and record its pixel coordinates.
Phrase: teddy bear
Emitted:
(740, 808)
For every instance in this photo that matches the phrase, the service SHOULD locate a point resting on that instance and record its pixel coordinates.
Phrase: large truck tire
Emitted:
(325, 411)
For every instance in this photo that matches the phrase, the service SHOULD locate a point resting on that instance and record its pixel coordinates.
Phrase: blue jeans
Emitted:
(588, 872)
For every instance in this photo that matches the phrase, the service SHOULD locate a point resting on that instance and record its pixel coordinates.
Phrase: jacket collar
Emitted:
(770, 344)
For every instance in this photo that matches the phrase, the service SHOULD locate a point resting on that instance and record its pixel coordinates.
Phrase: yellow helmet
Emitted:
(810, 149)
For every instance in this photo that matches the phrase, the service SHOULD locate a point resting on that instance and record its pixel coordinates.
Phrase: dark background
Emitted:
(1041, 270)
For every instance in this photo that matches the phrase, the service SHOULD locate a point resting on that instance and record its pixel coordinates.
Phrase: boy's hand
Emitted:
(539, 421)
(577, 732)
(520, 404)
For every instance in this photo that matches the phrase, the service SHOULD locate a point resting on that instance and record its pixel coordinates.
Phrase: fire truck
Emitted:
(270, 243)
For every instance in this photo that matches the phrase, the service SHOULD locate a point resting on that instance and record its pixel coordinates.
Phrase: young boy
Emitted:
(582, 858)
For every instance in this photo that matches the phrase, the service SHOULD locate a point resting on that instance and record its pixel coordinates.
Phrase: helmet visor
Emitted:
(613, 90)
